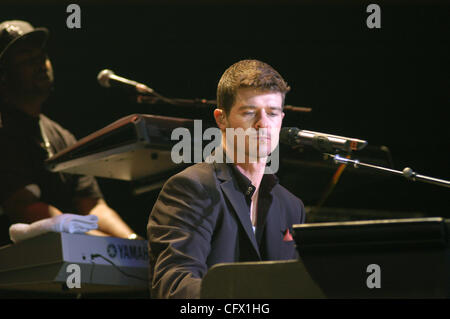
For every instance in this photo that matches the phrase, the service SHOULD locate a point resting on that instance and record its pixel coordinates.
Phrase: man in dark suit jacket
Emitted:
(218, 211)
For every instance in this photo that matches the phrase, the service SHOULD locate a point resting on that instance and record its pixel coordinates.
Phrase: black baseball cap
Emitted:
(15, 31)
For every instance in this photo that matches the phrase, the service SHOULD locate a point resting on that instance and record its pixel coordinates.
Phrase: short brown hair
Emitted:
(248, 74)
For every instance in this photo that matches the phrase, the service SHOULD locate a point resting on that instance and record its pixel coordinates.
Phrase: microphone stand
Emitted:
(407, 172)
(154, 97)
(148, 99)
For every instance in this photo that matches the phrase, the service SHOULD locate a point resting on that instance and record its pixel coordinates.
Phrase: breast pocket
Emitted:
(287, 245)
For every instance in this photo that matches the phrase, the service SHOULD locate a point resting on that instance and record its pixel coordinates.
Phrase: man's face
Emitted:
(258, 110)
(29, 72)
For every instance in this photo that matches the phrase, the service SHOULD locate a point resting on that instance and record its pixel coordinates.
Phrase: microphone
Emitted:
(320, 141)
(107, 78)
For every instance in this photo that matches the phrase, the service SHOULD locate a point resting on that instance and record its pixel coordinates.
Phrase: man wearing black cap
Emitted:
(28, 191)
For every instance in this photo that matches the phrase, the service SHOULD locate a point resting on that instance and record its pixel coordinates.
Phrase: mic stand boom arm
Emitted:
(154, 97)
(407, 172)
(148, 99)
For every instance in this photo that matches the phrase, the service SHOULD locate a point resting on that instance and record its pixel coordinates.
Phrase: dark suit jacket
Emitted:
(201, 218)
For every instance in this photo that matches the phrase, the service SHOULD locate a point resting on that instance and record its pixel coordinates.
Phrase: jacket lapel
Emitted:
(237, 200)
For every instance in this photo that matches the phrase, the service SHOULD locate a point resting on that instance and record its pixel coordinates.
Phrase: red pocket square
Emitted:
(287, 236)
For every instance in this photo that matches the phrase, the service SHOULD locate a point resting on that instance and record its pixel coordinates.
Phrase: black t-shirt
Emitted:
(22, 156)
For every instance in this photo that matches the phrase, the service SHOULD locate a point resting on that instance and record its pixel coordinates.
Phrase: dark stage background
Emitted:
(389, 86)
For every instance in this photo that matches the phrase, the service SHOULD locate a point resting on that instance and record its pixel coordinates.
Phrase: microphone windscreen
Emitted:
(289, 135)
(103, 78)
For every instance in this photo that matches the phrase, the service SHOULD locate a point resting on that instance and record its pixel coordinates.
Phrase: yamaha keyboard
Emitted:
(45, 264)
(132, 148)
